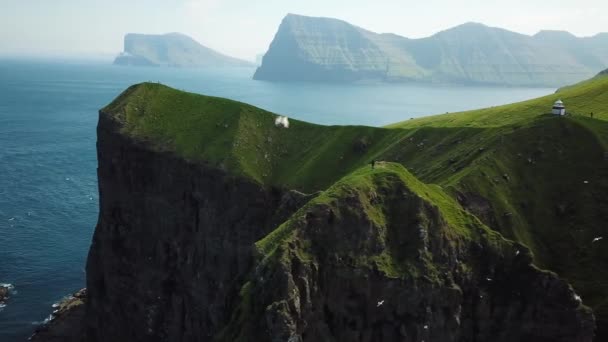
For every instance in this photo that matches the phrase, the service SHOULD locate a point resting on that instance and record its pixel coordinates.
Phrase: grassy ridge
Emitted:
(244, 139)
(581, 99)
(543, 178)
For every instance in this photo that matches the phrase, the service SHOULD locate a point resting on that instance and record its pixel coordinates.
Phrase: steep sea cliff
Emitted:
(200, 238)
(217, 224)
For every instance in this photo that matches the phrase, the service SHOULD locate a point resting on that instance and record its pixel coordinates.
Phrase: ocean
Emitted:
(48, 184)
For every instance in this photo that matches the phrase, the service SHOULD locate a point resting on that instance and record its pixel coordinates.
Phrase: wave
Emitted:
(45, 321)
(10, 287)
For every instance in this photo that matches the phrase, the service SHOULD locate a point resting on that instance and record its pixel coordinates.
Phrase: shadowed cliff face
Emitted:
(341, 275)
(172, 244)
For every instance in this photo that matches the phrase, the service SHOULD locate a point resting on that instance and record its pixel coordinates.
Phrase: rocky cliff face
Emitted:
(344, 275)
(325, 49)
(173, 242)
(184, 251)
(66, 323)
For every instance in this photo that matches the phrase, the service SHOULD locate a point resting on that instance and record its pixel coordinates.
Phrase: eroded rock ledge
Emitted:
(66, 323)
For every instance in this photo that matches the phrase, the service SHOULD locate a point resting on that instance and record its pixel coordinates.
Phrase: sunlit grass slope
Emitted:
(244, 139)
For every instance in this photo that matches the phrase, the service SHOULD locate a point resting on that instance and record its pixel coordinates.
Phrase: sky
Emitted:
(245, 28)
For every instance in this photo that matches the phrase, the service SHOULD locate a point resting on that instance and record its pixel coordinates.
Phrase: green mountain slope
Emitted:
(536, 178)
(325, 49)
(172, 49)
(383, 234)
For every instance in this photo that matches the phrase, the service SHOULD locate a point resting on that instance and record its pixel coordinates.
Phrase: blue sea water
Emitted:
(48, 185)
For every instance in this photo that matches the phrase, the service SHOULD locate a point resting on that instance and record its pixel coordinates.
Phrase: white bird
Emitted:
(517, 252)
(12, 219)
(380, 303)
(597, 239)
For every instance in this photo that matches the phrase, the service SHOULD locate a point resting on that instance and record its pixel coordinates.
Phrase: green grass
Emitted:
(377, 191)
(532, 167)
(581, 100)
(243, 139)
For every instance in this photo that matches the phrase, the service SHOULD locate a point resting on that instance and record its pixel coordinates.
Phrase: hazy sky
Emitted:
(244, 28)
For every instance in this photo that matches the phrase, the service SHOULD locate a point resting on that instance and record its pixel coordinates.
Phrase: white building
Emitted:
(558, 108)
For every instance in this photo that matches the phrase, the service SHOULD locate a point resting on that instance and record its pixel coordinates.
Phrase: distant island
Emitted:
(174, 50)
(326, 49)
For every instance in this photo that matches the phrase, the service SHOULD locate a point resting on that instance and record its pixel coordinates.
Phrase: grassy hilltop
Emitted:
(538, 179)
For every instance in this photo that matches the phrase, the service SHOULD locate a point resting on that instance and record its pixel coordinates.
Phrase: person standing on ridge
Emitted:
(373, 163)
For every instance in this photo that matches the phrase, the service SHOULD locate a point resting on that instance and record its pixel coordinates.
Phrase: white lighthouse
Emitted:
(558, 108)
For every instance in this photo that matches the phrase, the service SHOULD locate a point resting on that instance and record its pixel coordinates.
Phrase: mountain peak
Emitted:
(472, 27)
(292, 18)
(554, 34)
(472, 24)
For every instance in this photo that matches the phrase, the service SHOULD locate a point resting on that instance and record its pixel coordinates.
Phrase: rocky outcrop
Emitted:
(479, 206)
(66, 323)
(326, 49)
(344, 277)
(4, 292)
(173, 242)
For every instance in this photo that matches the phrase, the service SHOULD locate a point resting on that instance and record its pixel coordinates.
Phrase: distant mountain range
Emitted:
(325, 49)
(172, 49)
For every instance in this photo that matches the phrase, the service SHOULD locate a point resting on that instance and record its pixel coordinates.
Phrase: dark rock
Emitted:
(478, 206)
(3, 293)
(361, 145)
(173, 243)
(66, 323)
